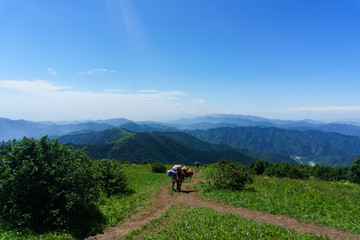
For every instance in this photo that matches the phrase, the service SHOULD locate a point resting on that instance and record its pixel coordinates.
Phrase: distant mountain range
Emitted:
(335, 144)
(10, 129)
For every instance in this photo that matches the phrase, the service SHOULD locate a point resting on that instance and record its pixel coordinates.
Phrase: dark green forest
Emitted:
(326, 148)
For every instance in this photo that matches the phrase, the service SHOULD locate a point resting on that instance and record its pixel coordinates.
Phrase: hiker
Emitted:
(197, 164)
(179, 177)
(172, 173)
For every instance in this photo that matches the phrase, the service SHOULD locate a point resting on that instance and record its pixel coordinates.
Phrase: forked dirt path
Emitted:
(190, 198)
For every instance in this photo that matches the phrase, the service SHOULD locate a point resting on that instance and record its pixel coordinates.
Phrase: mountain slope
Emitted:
(122, 145)
(309, 143)
(153, 147)
(94, 137)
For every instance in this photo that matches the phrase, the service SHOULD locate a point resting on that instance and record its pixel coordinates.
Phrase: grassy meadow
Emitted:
(205, 223)
(333, 204)
(320, 202)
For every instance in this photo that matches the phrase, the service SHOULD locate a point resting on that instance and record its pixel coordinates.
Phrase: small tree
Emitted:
(110, 176)
(158, 167)
(258, 166)
(230, 175)
(355, 171)
(145, 162)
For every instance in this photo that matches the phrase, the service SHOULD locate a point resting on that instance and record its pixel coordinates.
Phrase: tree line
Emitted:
(301, 171)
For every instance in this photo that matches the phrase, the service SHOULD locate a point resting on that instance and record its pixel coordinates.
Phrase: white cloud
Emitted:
(31, 87)
(45, 100)
(148, 91)
(174, 100)
(199, 101)
(51, 71)
(114, 90)
(96, 71)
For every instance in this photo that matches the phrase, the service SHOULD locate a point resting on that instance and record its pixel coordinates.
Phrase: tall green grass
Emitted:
(144, 184)
(205, 223)
(327, 203)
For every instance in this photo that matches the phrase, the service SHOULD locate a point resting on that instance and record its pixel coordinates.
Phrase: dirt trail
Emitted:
(190, 198)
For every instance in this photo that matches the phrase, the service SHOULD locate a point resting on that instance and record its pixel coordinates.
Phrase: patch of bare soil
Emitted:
(190, 198)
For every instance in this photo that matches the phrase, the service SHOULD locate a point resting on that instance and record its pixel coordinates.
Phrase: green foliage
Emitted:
(355, 171)
(258, 166)
(144, 185)
(230, 175)
(204, 223)
(300, 171)
(45, 185)
(158, 167)
(145, 162)
(327, 203)
(282, 170)
(110, 176)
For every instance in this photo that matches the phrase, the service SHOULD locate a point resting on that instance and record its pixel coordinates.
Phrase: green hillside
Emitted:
(314, 144)
(194, 142)
(168, 148)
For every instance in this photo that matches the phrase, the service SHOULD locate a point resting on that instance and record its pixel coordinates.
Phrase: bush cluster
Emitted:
(300, 171)
(230, 175)
(45, 185)
(158, 167)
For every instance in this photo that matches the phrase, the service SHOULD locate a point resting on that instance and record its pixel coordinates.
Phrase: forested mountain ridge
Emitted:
(309, 143)
(155, 147)
(121, 144)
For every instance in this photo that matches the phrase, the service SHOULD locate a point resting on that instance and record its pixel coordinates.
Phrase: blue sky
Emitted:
(165, 59)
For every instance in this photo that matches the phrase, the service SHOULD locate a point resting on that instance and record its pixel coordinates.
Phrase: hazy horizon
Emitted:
(347, 121)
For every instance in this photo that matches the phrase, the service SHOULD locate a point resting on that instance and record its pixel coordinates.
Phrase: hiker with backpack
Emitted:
(178, 176)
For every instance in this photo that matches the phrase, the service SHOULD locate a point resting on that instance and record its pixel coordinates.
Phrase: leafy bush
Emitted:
(45, 185)
(258, 166)
(230, 175)
(145, 162)
(110, 176)
(158, 167)
(355, 171)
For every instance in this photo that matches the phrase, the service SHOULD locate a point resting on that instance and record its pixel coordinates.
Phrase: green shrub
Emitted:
(110, 176)
(258, 166)
(355, 171)
(158, 167)
(230, 175)
(145, 162)
(286, 170)
(45, 185)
